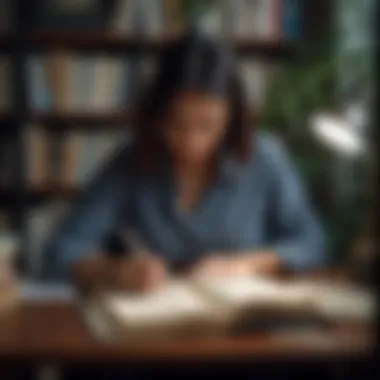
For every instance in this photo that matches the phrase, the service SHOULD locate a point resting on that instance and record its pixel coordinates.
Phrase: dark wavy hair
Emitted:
(193, 62)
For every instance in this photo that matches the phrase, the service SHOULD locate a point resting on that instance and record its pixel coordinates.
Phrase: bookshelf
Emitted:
(99, 41)
(24, 41)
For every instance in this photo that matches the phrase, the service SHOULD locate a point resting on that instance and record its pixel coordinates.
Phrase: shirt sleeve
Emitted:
(296, 233)
(92, 218)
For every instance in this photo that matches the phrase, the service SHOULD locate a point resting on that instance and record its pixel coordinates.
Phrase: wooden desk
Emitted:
(53, 331)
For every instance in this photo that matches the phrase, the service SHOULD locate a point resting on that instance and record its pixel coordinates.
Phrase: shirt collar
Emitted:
(230, 168)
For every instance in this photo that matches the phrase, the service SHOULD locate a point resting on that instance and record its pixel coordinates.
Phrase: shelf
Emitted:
(53, 193)
(83, 119)
(6, 117)
(11, 200)
(6, 41)
(80, 40)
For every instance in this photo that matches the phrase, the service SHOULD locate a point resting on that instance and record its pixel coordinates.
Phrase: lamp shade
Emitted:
(338, 133)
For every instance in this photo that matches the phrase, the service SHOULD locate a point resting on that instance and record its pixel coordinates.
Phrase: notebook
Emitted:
(223, 306)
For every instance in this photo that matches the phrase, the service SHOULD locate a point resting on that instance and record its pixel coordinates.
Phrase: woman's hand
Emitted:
(235, 265)
(141, 274)
(137, 273)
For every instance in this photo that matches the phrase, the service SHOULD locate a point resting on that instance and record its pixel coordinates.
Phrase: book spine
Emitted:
(72, 85)
(277, 15)
(37, 157)
(5, 88)
(58, 69)
(39, 96)
(172, 18)
(122, 19)
(151, 15)
(291, 19)
(6, 16)
(70, 157)
(124, 90)
(7, 162)
(85, 161)
(102, 91)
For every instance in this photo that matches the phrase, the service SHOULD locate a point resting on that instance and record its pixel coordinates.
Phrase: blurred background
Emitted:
(72, 70)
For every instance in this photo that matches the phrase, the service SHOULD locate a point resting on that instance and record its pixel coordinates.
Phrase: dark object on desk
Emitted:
(269, 320)
(363, 262)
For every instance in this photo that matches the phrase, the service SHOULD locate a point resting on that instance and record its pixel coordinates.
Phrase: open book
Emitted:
(222, 306)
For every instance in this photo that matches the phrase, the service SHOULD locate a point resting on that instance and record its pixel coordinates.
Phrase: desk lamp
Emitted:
(345, 133)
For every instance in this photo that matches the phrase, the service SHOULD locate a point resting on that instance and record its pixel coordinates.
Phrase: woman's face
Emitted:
(195, 126)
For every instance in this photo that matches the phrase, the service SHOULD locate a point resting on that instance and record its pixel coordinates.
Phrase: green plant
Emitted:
(305, 85)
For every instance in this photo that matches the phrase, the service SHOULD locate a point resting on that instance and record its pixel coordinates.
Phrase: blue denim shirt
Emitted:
(257, 205)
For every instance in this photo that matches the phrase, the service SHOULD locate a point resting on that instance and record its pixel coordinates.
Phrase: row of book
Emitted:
(238, 18)
(63, 82)
(67, 161)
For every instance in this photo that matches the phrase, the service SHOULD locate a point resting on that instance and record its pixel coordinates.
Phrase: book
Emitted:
(73, 144)
(150, 15)
(6, 16)
(147, 69)
(223, 306)
(173, 19)
(106, 76)
(245, 18)
(6, 95)
(37, 156)
(292, 19)
(258, 77)
(39, 95)
(265, 22)
(122, 18)
(253, 73)
(124, 90)
(256, 19)
(58, 71)
(8, 162)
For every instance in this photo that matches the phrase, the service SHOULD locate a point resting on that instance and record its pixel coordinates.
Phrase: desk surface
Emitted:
(55, 331)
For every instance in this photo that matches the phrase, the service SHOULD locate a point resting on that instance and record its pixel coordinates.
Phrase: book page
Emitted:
(343, 302)
(175, 301)
(238, 291)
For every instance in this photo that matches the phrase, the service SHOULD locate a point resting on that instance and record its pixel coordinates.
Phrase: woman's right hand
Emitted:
(141, 273)
(137, 273)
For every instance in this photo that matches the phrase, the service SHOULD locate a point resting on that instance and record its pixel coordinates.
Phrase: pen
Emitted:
(134, 243)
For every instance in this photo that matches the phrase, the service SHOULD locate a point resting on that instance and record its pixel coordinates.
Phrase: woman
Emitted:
(200, 189)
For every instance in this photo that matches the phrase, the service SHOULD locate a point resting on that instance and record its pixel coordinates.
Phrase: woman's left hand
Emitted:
(234, 265)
